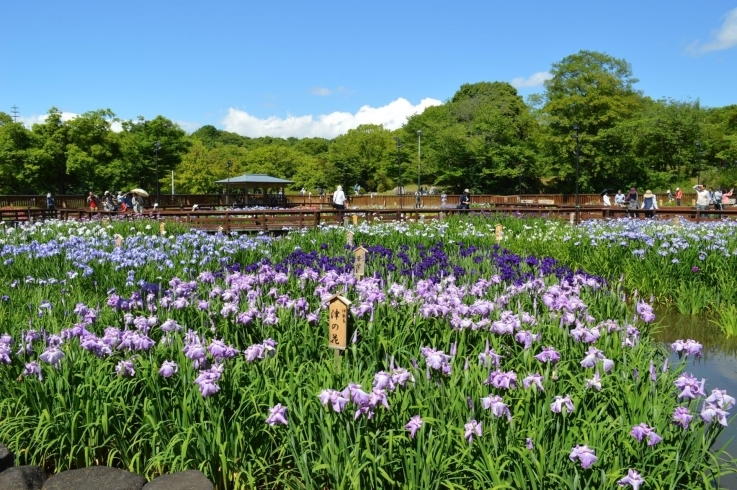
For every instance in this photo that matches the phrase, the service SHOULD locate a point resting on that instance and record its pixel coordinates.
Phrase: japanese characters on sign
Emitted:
(359, 262)
(338, 322)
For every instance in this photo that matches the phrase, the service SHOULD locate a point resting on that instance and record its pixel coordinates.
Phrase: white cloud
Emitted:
(29, 121)
(391, 116)
(321, 91)
(723, 38)
(534, 80)
(185, 125)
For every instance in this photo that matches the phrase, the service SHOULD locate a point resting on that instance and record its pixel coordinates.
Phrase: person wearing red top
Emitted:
(679, 196)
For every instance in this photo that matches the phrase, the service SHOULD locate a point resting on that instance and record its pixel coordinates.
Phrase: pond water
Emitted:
(718, 364)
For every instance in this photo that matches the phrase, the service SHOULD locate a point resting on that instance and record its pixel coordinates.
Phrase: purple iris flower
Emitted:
(125, 368)
(721, 399)
(688, 347)
(207, 380)
(529, 444)
(592, 356)
(53, 356)
(594, 382)
(633, 478)
(711, 412)
(336, 399)
(689, 386)
(414, 425)
(526, 337)
(168, 369)
(682, 417)
(562, 401)
(277, 415)
(497, 406)
(32, 368)
(645, 311)
(489, 357)
(653, 372)
(437, 359)
(548, 354)
(472, 428)
(643, 430)
(533, 379)
(584, 455)
(501, 379)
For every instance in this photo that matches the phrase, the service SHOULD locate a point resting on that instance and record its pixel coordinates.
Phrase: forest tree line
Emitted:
(485, 137)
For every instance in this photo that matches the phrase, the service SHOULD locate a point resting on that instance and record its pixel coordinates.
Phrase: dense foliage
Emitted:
(469, 366)
(485, 137)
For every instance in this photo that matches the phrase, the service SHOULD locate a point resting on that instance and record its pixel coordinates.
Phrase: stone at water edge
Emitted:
(185, 480)
(6, 457)
(95, 478)
(22, 478)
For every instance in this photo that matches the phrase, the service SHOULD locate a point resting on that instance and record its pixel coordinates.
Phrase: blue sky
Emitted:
(318, 68)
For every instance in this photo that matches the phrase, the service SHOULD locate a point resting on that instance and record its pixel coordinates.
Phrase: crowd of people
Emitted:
(109, 202)
(705, 199)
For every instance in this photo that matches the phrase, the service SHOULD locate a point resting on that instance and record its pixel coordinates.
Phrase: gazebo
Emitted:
(255, 182)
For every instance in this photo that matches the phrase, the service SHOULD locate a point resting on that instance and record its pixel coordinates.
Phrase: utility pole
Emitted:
(15, 113)
(157, 147)
(576, 128)
(399, 169)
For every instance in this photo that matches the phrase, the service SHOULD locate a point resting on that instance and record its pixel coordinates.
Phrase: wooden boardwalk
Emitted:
(268, 221)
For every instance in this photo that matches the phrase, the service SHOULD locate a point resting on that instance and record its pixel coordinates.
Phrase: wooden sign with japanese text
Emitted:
(355, 219)
(118, 241)
(349, 238)
(359, 262)
(162, 228)
(677, 221)
(338, 322)
(105, 222)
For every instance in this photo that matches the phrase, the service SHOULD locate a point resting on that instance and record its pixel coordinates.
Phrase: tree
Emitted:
(595, 92)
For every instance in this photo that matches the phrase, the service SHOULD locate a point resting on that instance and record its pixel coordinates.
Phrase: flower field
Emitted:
(468, 365)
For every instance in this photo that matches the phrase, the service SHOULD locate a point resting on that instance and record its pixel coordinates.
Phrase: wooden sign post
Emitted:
(441, 216)
(118, 241)
(498, 232)
(349, 238)
(359, 262)
(162, 228)
(105, 222)
(573, 219)
(677, 221)
(338, 325)
(220, 229)
(355, 220)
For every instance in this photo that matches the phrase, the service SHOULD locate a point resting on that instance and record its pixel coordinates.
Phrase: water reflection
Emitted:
(718, 364)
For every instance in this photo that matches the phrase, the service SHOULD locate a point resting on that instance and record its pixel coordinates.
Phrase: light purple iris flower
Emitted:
(690, 386)
(548, 354)
(643, 430)
(277, 415)
(721, 399)
(529, 444)
(688, 347)
(682, 417)
(562, 401)
(414, 425)
(335, 399)
(584, 455)
(168, 369)
(533, 379)
(592, 356)
(437, 359)
(711, 412)
(594, 382)
(472, 428)
(125, 368)
(501, 379)
(207, 380)
(497, 406)
(32, 368)
(645, 311)
(53, 356)
(633, 478)
(526, 337)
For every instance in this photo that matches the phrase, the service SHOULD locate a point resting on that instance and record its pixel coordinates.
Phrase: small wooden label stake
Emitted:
(498, 232)
(119, 241)
(359, 262)
(162, 228)
(349, 238)
(355, 219)
(338, 325)
(677, 221)
(105, 222)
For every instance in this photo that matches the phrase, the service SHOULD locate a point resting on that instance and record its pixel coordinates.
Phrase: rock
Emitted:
(185, 480)
(22, 478)
(95, 478)
(6, 458)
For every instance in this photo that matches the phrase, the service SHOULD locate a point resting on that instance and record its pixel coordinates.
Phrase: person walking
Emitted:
(302, 192)
(725, 198)
(443, 199)
(465, 200)
(649, 203)
(670, 196)
(679, 196)
(417, 198)
(633, 203)
(717, 198)
(50, 202)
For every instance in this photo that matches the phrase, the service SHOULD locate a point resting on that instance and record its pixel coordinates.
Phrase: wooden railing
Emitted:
(278, 220)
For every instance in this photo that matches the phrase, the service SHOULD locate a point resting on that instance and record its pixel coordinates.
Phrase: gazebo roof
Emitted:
(255, 179)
